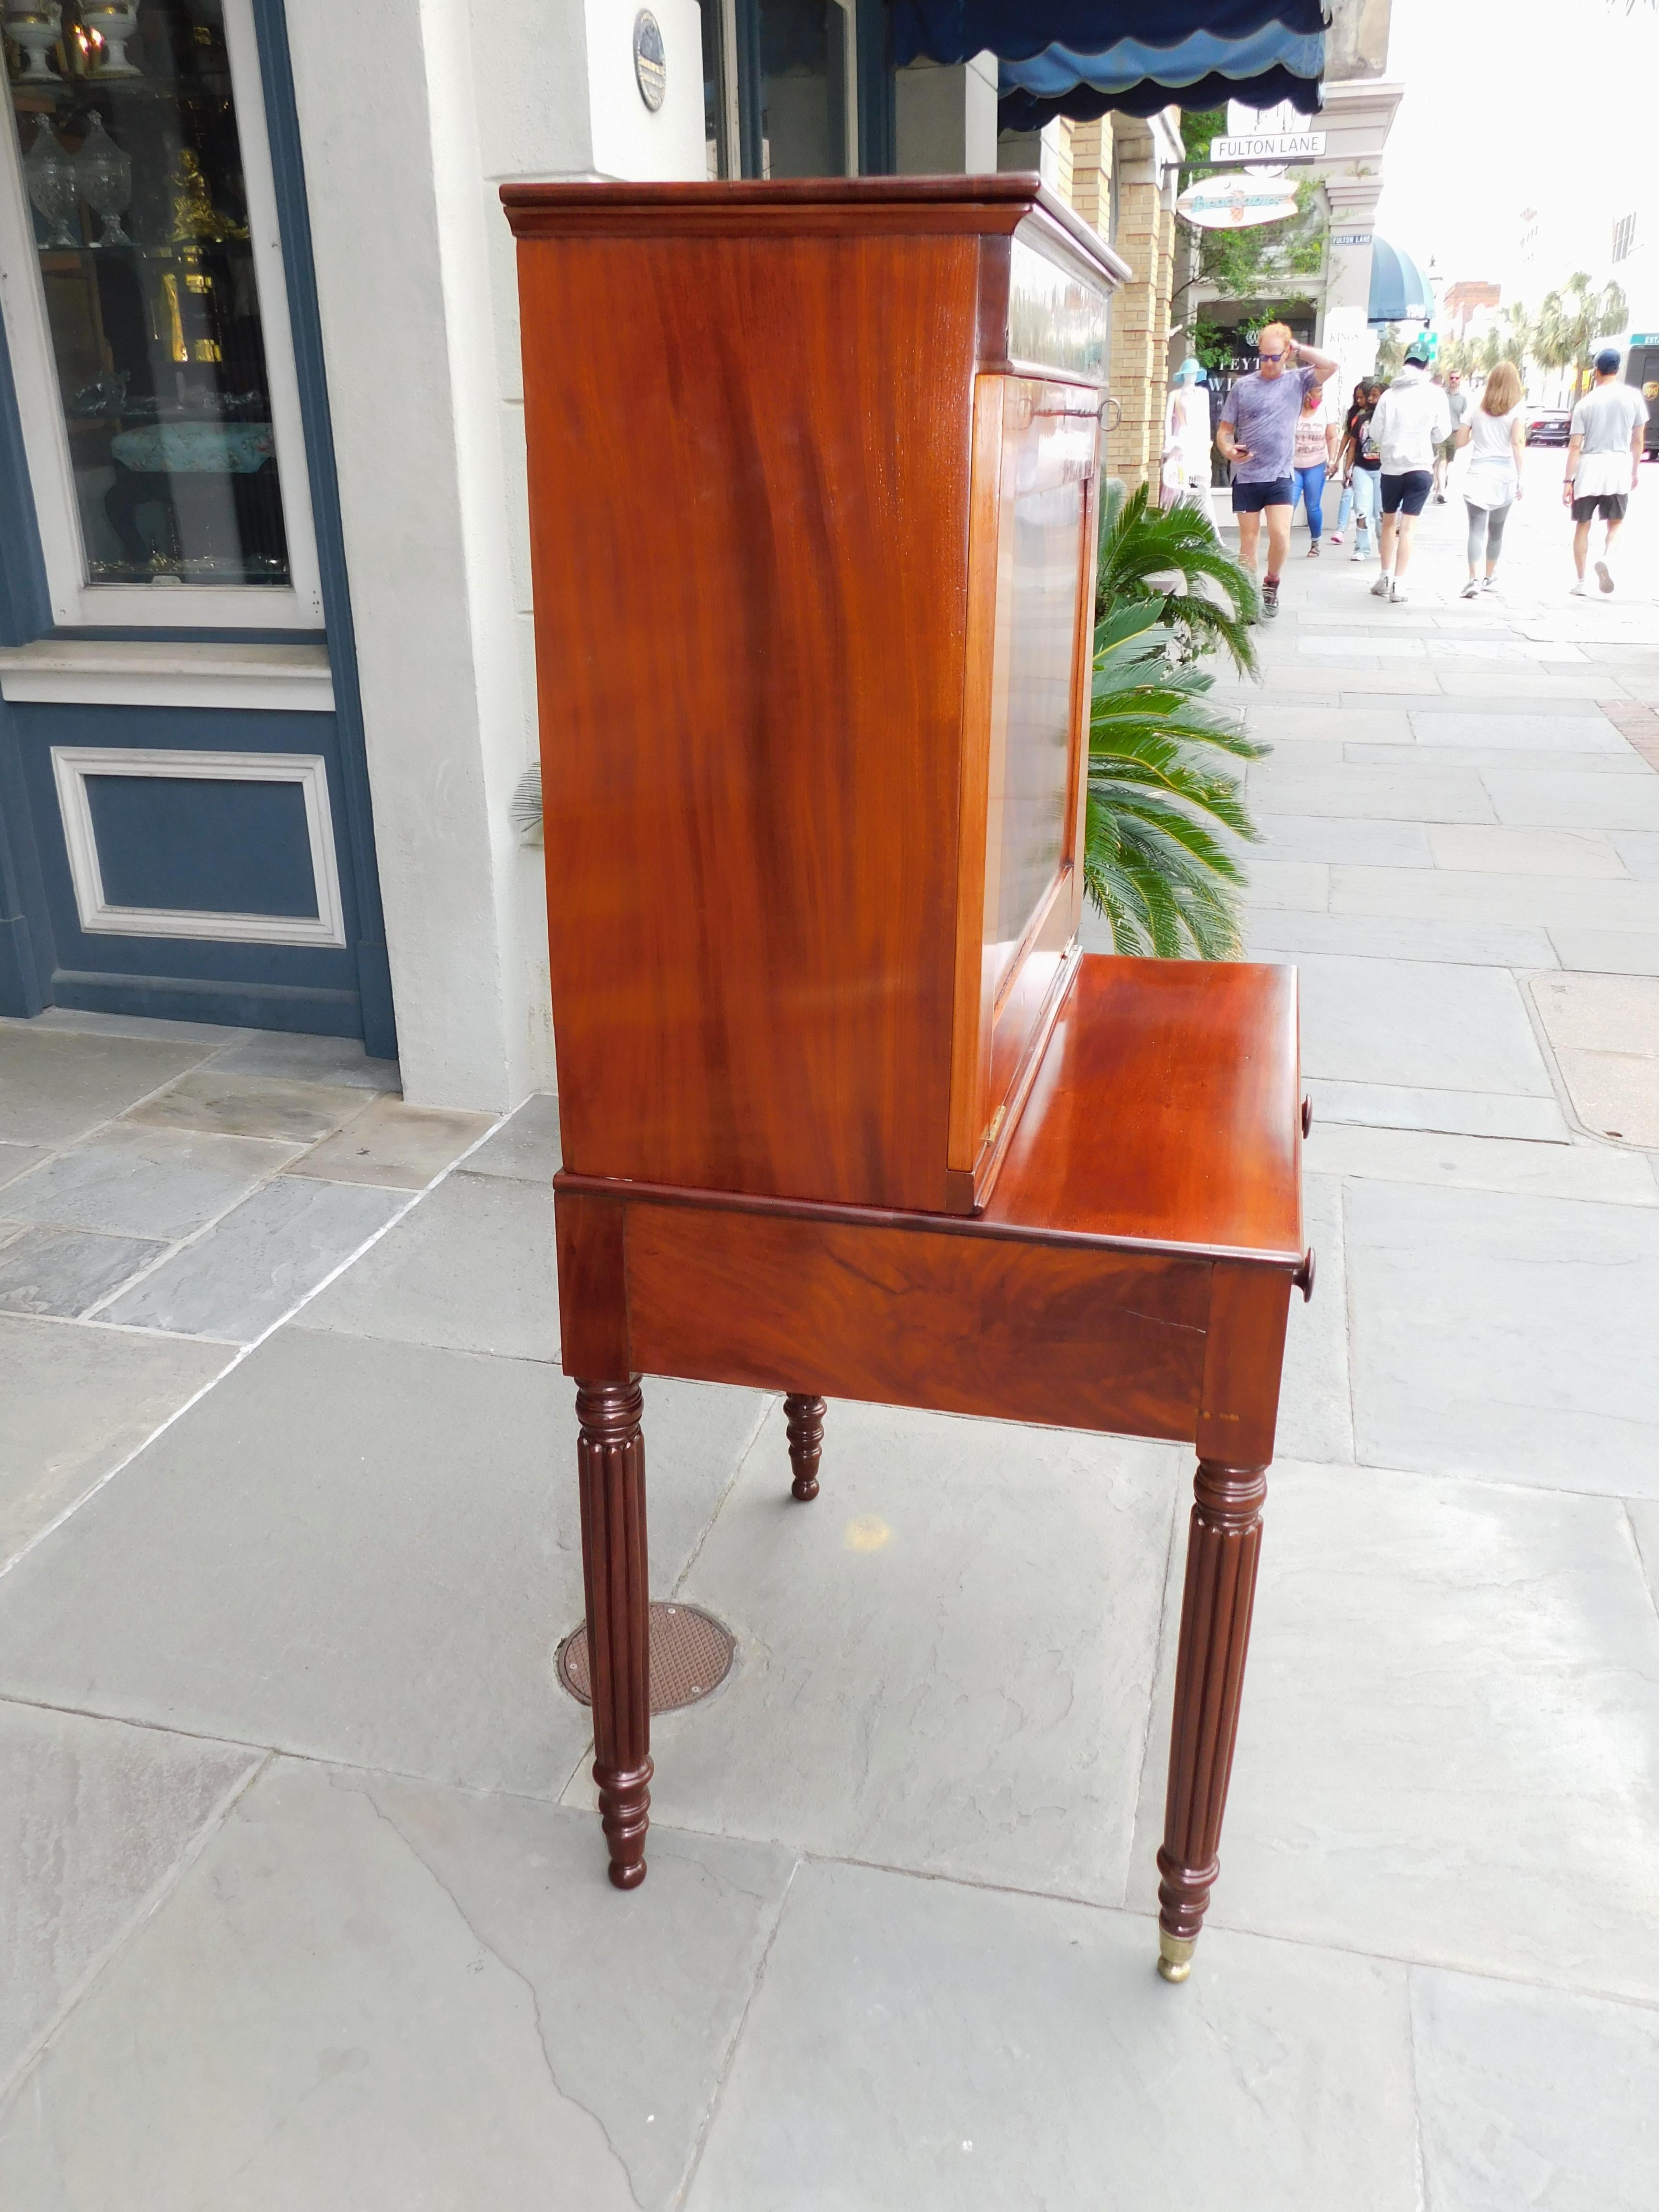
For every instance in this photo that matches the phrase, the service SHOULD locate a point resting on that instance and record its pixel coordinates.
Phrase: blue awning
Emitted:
(1400, 290)
(1081, 57)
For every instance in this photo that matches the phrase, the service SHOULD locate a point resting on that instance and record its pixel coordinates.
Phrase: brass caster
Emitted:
(1175, 1955)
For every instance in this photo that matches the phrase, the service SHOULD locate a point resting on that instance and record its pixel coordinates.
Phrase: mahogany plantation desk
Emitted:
(813, 480)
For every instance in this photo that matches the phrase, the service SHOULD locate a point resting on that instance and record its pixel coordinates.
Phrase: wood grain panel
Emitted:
(748, 493)
(592, 1288)
(1167, 1108)
(1077, 1338)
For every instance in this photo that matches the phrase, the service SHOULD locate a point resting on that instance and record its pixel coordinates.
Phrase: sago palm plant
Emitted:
(1161, 797)
(1170, 559)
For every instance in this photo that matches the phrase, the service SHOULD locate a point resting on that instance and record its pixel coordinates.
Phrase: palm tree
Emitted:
(1153, 863)
(1390, 351)
(1170, 561)
(1573, 319)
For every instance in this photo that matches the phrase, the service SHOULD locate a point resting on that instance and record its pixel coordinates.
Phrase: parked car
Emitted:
(1548, 425)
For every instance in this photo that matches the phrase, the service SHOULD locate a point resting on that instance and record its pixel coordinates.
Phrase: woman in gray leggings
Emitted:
(1496, 436)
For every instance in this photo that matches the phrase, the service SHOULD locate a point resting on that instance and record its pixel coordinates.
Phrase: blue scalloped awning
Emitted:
(1080, 57)
(1400, 290)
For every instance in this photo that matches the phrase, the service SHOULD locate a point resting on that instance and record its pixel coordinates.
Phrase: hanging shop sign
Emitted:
(1269, 146)
(1235, 202)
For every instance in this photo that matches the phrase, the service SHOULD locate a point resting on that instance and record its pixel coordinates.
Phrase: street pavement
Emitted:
(303, 1893)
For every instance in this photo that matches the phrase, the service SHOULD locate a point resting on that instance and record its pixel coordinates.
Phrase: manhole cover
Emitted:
(691, 1654)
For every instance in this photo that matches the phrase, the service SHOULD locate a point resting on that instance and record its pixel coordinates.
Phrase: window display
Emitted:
(126, 124)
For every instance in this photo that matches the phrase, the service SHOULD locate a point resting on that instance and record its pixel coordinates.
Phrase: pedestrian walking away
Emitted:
(1257, 435)
(1495, 436)
(1311, 461)
(1407, 423)
(1457, 406)
(1604, 456)
(1339, 466)
(1360, 466)
(1188, 441)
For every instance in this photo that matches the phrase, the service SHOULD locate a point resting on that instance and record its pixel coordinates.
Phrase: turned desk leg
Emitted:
(1222, 1547)
(610, 1461)
(803, 1420)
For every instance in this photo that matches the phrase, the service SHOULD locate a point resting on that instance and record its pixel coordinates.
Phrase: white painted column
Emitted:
(411, 116)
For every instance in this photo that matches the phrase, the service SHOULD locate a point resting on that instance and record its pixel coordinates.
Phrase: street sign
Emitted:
(1351, 237)
(1269, 146)
(1235, 202)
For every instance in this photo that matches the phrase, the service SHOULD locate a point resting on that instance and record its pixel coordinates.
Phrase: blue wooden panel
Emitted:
(207, 848)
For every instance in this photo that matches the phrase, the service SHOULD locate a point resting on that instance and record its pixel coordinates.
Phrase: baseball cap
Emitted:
(1607, 362)
(1417, 354)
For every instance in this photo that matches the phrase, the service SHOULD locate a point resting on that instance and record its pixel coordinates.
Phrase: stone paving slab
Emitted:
(1570, 799)
(358, 1552)
(1418, 1023)
(945, 1659)
(473, 1268)
(527, 1145)
(1465, 1113)
(1363, 937)
(1608, 952)
(132, 1181)
(373, 1994)
(55, 1084)
(94, 1817)
(68, 1271)
(1532, 2097)
(919, 2044)
(1601, 1173)
(1478, 1665)
(78, 1401)
(1504, 1337)
(258, 1261)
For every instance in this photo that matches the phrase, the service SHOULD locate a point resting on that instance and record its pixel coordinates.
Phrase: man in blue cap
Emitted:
(1185, 472)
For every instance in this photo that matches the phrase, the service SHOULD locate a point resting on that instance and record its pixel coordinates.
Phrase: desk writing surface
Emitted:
(1165, 1110)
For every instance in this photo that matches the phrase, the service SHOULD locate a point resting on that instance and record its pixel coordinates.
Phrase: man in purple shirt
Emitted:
(1257, 434)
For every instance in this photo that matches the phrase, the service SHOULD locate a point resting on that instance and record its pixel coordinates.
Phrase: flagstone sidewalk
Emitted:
(304, 1902)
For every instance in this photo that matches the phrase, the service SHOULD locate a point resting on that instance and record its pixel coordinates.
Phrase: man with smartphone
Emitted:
(1257, 435)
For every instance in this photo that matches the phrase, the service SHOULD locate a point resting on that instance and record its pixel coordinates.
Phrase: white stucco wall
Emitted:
(410, 116)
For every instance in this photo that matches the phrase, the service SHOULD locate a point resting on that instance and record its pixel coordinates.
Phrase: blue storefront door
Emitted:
(185, 819)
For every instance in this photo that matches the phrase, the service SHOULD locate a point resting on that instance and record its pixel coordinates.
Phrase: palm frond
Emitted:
(1166, 814)
(1171, 559)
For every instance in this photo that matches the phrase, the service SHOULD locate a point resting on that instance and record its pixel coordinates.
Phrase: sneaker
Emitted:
(1396, 597)
(1380, 588)
(1489, 583)
(1359, 552)
(1313, 551)
(1336, 537)
(1440, 499)
(1604, 576)
(1580, 590)
(1470, 590)
(1269, 598)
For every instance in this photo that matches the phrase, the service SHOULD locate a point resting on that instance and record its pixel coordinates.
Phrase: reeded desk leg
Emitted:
(611, 1460)
(803, 1420)
(1222, 1548)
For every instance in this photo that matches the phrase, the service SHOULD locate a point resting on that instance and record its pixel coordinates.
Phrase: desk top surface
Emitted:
(1165, 1111)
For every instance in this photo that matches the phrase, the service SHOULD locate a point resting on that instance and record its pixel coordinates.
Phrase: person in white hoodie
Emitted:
(1411, 421)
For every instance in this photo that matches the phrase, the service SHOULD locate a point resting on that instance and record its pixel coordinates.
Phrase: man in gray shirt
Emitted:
(1257, 435)
(1604, 453)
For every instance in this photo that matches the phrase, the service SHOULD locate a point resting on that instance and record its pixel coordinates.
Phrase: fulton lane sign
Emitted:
(1270, 146)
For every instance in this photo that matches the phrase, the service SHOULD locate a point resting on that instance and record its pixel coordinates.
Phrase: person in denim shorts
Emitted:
(1257, 435)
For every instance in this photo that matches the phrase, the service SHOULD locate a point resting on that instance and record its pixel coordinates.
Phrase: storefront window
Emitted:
(805, 72)
(132, 162)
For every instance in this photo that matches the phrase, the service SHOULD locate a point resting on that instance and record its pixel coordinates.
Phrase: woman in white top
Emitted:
(1495, 436)
(1187, 440)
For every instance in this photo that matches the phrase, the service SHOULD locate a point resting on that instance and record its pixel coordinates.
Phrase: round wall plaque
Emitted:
(650, 63)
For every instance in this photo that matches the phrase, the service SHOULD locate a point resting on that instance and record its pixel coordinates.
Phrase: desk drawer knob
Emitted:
(1307, 1116)
(1304, 1277)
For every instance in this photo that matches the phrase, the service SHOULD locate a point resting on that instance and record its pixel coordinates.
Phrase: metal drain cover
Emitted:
(691, 1654)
